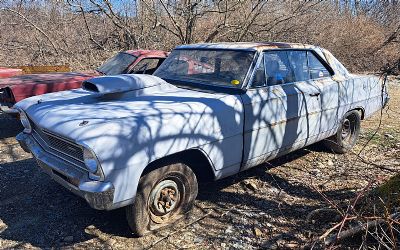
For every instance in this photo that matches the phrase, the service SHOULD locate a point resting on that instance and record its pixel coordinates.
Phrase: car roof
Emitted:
(258, 46)
(147, 53)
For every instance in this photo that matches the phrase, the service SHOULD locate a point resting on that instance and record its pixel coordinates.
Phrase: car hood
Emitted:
(9, 72)
(77, 114)
(35, 79)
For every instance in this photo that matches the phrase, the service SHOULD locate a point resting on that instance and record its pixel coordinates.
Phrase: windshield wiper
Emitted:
(204, 87)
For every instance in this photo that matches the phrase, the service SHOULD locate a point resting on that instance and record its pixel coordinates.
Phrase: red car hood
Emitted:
(35, 79)
(9, 72)
(24, 86)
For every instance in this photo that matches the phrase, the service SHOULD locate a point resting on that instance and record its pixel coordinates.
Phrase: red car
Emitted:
(14, 89)
(9, 72)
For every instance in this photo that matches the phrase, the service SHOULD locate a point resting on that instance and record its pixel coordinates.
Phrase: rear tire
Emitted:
(347, 134)
(164, 195)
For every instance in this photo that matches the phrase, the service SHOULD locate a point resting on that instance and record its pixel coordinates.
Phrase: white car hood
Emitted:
(74, 113)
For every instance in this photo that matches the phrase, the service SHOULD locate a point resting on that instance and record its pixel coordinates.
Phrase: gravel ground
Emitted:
(265, 207)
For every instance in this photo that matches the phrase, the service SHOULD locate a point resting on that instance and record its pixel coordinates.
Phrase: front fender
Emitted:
(125, 147)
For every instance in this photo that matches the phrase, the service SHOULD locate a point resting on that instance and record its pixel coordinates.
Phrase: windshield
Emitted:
(223, 68)
(118, 64)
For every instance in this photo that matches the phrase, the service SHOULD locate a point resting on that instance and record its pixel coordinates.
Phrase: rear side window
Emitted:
(316, 68)
(298, 61)
(287, 66)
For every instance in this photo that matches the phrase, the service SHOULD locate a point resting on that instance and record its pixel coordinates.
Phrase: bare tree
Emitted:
(83, 33)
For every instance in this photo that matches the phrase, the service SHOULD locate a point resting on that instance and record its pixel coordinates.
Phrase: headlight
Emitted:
(90, 160)
(92, 164)
(25, 122)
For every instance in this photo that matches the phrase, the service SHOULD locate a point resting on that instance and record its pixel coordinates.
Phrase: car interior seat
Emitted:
(273, 72)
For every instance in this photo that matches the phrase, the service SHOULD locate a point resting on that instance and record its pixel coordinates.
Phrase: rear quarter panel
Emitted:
(361, 92)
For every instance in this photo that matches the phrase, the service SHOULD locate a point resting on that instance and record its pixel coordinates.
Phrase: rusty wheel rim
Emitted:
(346, 130)
(164, 198)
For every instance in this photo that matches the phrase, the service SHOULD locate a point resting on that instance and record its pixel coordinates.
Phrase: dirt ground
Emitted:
(268, 206)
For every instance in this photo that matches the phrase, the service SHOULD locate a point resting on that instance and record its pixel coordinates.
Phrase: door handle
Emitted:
(314, 94)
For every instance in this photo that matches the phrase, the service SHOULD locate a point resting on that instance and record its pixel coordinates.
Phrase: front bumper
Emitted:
(98, 194)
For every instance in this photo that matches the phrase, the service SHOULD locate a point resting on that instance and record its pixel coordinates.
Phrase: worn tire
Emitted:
(347, 134)
(144, 216)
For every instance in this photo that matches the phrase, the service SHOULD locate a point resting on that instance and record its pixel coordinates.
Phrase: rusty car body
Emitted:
(141, 141)
(19, 87)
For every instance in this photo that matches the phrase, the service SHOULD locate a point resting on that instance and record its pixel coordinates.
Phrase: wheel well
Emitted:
(193, 158)
(360, 111)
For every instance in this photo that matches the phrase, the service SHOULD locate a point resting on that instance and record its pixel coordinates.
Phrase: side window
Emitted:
(277, 68)
(317, 69)
(299, 64)
(146, 66)
(259, 76)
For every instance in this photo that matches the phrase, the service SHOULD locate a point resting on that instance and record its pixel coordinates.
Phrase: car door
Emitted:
(277, 106)
(321, 78)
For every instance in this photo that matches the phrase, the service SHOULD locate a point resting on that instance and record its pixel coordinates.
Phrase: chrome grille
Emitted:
(55, 144)
(64, 146)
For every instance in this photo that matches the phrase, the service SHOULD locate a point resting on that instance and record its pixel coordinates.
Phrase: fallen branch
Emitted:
(329, 231)
(356, 230)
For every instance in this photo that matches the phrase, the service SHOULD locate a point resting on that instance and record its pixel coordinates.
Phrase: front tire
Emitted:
(347, 135)
(164, 195)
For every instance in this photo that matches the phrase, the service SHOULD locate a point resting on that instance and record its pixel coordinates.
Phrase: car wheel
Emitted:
(164, 196)
(346, 135)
